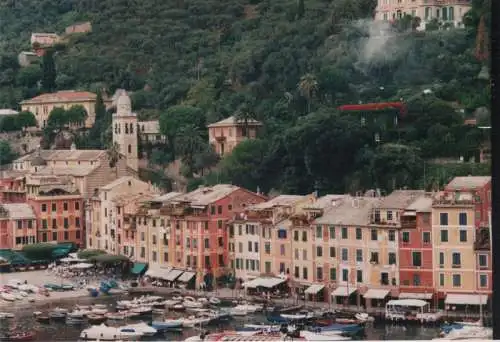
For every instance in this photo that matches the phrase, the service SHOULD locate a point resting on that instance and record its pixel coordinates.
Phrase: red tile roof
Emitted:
(62, 96)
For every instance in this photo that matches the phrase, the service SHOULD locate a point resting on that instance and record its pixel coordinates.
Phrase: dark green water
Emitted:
(60, 331)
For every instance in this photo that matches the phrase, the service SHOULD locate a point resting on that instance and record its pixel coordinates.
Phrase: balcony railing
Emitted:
(169, 211)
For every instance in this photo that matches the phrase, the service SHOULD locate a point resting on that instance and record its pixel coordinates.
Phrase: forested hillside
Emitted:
(287, 63)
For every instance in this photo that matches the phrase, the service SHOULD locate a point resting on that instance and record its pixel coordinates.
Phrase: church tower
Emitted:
(125, 130)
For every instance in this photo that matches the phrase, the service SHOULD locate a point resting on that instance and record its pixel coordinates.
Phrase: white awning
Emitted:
(314, 289)
(466, 299)
(264, 282)
(376, 294)
(186, 276)
(158, 272)
(411, 295)
(173, 275)
(343, 291)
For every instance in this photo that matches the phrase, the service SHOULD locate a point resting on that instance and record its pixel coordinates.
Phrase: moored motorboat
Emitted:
(214, 301)
(167, 324)
(8, 296)
(6, 315)
(42, 318)
(178, 307)
(96, 319)
(143, 310)
(57, 316)
(140, 328)
(116, 316)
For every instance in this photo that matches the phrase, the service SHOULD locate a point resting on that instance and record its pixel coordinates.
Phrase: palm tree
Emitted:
(245, 114)
(114, 156)
(308, 86)
(188, 143)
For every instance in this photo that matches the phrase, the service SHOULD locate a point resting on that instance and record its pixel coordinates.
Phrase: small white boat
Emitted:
(310, 336)
(214, 301)
(238, 311)
(5, 315)
(298, 316)
(170, 302)
(82, 307)
(105, 333)
(77, 314)
(178, 298)
(179, 307)
(61, 310)
(100, 307)
(193, 321)
(202, 300)
(468, 333)
(190, 302)
(8, 296)
(99, 311)
(74, 320)
(141, 328)
(143, 310)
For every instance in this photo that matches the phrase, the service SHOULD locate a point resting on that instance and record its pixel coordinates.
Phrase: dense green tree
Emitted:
(188, 144)
(7, 155)
(57, 118)
(8, 123)
(26, 119)
(29, 77)
(48, 71)
(76, 115)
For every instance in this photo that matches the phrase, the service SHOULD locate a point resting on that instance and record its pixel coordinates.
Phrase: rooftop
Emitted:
(279, 201)
(423, 204)
(79, 171)
(166, 197)
(18, 211)
(350, 211)
(63, 155)
(117, 182)
(62, 96)
(325, 201)
(400, 199)
(468, 183)
(131, 198)
(232, 121)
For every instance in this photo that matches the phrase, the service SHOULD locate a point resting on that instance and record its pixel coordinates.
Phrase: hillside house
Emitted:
(27, 58)
(225, 135)
(83, 27)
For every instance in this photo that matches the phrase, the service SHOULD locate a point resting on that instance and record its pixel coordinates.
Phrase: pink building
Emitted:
(12, 190)
(17, 225)
(225, 135)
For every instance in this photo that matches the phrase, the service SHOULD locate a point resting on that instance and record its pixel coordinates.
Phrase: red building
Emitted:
(415, 251)
(12, 190)
(17, 225)
(198, 223)
(480, 189)
(60, 214)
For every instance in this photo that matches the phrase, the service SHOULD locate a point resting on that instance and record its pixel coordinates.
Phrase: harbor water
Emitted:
(25, 320)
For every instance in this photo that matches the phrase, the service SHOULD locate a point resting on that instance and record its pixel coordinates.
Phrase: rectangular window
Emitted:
(77, 222)
(344, 233)
(483, 260)
(359, 276)
(54, 207)
(426, 237)
(389, 215)
(345, 254)
(374, 257)
(463, 236)
(282, 249)
(374, 235)
(333, 274)
(296, 253)
(212, 210)
(319, 251)
(267, 266)
(456, 260)
(444, 235)
(154, 256)
(359, 234)
(441, 279)
(19, 224)
(392, 235)
(457, 280)
(406, 237)
(30, 224)
(249, 246)
(65, 206)
(66, 236)
(443, 219)
(267, 247)
(441, 259)
(359, 255)
(66, 223)
(44, 224)
(54, 236)
(44, 207)
(304, 273)
(77, 205)
(392, 258)
(219, 209)
(417, 259)
(296, 272)
(281, 234)
(333, 253)
(295, 235)
(319, 273)
(332, 232)
(207, 243)
(345, 275)
(462, 219)
(416, 280)
(319, 232)
(304, 254)
(483, 280)
(54, 224)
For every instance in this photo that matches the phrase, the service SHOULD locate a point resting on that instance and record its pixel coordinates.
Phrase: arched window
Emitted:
(126, 129)
(131, 128)
(129, 148)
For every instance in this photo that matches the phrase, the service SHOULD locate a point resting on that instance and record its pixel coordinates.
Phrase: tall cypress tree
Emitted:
(49, 71)
(100, 108)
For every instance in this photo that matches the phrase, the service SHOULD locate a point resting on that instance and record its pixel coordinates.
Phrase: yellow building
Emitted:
(346, 248)
(453, 233)
(226, 134)
(42, 105)
(450, 11)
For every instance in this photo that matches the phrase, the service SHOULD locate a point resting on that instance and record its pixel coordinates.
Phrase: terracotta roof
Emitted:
(400, 199)
(18, 211)
(279, 201)
(423, 204)
(62, 96)
(166, 197)
(64, 171)
(231, 121)
(468, 183)
(131, 198)
(64, 155)
(117, 182)
(350, 212)
(325, 201)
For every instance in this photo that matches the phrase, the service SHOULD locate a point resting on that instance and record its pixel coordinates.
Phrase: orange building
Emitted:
(226, 134)
(58, 206)
(17, 225)
(12, 188)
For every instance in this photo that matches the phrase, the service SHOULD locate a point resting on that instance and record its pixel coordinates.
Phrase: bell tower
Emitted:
(125, 130)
